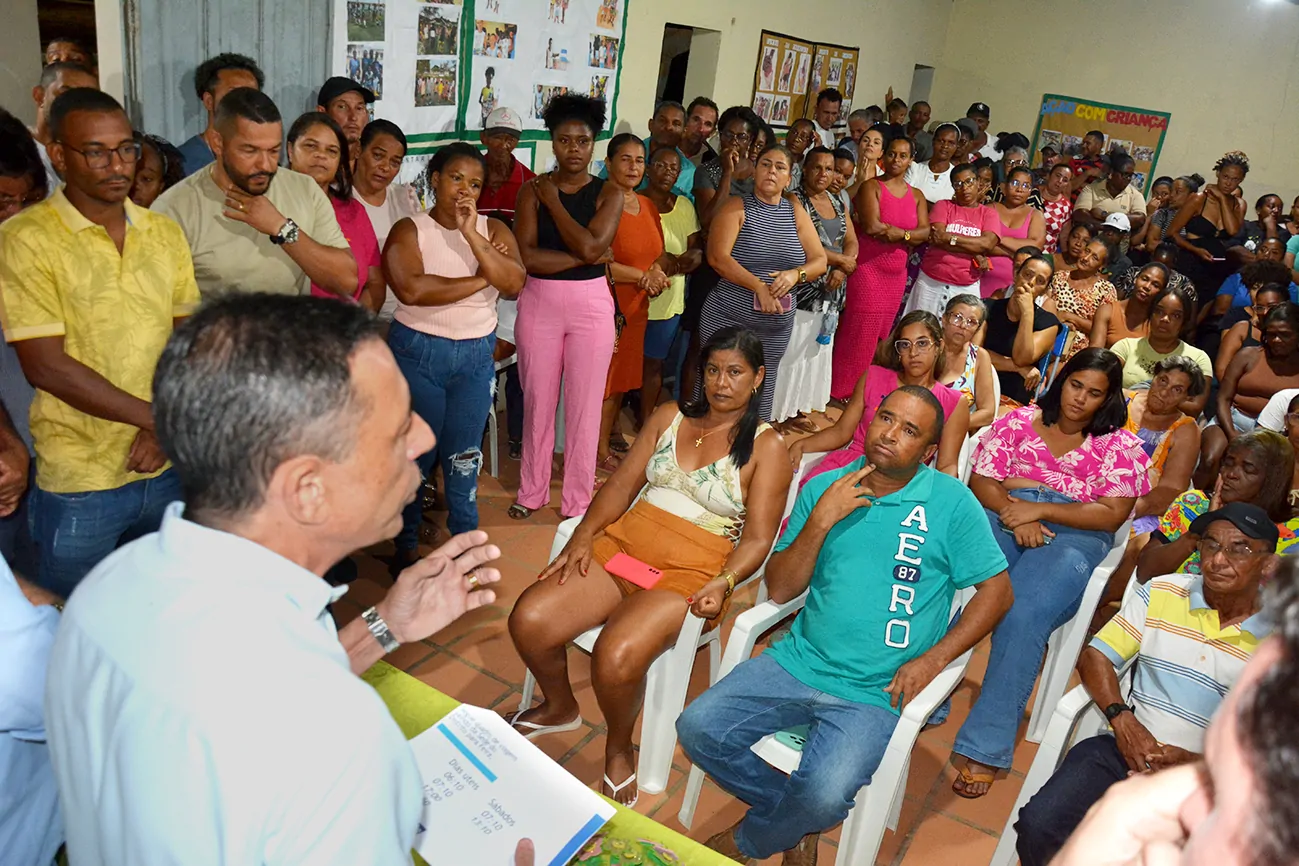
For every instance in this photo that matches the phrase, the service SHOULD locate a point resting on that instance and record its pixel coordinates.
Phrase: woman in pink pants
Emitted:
(565, 221)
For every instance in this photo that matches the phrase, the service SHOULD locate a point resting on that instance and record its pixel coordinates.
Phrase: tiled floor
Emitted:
(474, 661)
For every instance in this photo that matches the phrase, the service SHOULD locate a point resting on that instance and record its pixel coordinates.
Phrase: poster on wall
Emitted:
(1064, 120)
(439, 67)
(792, 71)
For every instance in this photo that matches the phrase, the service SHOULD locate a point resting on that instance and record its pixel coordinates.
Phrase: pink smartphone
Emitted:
(786, 303)
(633, 570)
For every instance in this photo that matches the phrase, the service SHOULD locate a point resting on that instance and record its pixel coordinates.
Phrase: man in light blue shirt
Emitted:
(31, 829)
(666, 128)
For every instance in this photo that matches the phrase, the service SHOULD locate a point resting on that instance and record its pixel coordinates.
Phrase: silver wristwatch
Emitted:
(379, 629)
(288, 233)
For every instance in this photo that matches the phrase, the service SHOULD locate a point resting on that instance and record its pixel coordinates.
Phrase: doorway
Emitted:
(922, 81)
(687, 63)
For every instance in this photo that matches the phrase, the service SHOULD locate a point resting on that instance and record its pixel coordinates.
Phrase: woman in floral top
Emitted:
(1075, 295)
(1057, 481)
(1257, 468)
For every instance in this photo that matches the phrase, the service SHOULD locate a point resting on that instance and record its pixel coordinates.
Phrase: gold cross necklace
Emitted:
(700, 440)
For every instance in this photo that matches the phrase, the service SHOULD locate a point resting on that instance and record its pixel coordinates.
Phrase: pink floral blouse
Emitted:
(1110, 465)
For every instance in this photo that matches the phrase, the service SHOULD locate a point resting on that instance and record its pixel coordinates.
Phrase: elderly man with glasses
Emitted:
(1191, 636)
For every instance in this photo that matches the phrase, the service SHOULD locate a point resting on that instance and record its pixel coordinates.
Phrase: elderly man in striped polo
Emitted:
(1191, 636)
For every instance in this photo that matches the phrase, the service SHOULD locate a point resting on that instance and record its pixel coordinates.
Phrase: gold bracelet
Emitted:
(730, 577)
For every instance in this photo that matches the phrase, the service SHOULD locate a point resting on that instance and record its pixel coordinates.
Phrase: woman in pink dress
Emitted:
(1021, 226)
(912, 355)
(894, 218)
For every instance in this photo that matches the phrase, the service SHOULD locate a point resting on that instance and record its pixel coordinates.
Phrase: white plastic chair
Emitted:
(666, 682)
(972, 442)
(1075, 718)
(879, 804)
(809, 461)
(492, 446)
(1066, 642)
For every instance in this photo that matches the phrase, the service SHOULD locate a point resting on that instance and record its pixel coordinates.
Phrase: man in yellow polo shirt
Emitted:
(90, 286)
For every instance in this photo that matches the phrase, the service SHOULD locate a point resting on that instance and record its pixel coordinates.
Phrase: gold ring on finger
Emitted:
(473, 581)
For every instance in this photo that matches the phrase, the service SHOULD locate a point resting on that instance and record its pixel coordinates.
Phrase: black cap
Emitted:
(979, 108)
(1249, 519)
(337, 86)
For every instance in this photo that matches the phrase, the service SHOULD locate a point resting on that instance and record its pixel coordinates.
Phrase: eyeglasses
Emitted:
(736, 136)
(1236, 553)
(665, 166)
(924, 344)
(962, 184)
(1016, 163)
(128, 153)
(1020, 184)
(962, 321)
(1125, 173)
(1292, 417)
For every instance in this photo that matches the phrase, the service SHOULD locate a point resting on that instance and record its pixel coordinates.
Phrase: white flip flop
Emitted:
(541, 730)
(617, 788)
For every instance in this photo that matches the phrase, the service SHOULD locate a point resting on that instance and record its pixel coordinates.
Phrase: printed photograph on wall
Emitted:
(849, 79)
(542, 94)
(1071, 145)
(365, 67)
(1120, 144)
(365, 22)
(1051, 138)
(495, 39)
(762, 105)
(555, 57)
(607, 17)
(767, 78)
(786, 70)
(780, 110)
(1143, 154)
(487, 94)
(438, 31)
(603, 52)
(599, 87)
(435, 82)
(818, 70)
(835, 75)
(800, 77)
(558, 11)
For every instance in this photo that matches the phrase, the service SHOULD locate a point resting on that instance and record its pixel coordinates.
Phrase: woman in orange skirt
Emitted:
(639, 272)
(699, 498)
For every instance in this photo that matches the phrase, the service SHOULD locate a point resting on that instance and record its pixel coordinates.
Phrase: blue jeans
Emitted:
(845, 744)
(1048, 583)
(1054, 812)
(75, 531)
(451, 384)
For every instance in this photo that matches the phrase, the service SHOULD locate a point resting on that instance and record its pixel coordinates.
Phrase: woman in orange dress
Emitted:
(639, 271)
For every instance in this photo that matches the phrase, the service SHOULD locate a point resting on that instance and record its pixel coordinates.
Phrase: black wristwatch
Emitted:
(1113, 711)
(288, 234)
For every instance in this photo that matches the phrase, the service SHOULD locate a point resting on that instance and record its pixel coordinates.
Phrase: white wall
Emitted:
(1227, 71)
(915, 34)
(20, 59)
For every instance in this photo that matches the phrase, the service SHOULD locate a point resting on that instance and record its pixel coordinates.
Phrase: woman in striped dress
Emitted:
(761, 245)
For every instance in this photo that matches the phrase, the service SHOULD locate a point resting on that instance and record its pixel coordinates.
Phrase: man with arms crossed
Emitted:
(883, 545)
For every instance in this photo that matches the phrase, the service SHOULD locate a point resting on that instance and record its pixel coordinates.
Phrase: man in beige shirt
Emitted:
(250, 226)
(1114, 194)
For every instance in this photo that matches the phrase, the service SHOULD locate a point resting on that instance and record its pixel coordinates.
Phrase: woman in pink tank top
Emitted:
(447, 268)
(911, 355)
(1022, 225)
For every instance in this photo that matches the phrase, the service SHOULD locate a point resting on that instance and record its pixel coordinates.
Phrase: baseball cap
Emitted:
(504, 118)
(1118, 221)
(979, 108)
(1249, 519)
(969, 126)
(337, 86)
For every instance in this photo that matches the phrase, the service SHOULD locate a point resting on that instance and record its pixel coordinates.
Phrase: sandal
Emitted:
(520, 512)
(618, 445)
(966, 778)
(616, 788)
(536, 730)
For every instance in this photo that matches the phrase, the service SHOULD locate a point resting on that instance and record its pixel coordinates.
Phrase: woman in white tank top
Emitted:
(447, 268)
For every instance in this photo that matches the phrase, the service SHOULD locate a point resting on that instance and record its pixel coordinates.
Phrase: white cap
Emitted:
(1119, 221)
(504, 118)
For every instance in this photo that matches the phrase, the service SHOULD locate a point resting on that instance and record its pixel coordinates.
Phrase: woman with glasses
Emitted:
(1075, 295)
(762, 246)
(894, 220)
(803, 381)
(1244, 328)
(1057, 205)
(912, 355)
(966, 367)
(1258, 468)
(1253, 376)
(1021, 225)
(960, 232)
(1130, 317)
(317, 147)
(1018, 333)
(933, 178)
(1057, 480)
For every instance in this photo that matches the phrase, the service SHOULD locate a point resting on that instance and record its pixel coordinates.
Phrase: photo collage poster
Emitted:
(792, 71)
(1063, 121)
(439, 67)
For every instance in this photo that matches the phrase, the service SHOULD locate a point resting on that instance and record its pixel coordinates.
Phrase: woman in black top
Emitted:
(565, 222)
(1018, 333)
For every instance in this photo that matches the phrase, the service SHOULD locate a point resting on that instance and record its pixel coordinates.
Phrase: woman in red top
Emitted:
(639, 272)
(1058, 205)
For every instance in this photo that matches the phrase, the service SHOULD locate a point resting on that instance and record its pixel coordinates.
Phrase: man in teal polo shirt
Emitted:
(666, 128)
(881, 545)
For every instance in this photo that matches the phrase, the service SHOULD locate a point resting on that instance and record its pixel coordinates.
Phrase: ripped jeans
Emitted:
(451, 385)
(1049, 583)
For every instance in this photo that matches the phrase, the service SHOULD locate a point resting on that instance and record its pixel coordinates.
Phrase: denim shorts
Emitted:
(659, 336)
(1242, 422)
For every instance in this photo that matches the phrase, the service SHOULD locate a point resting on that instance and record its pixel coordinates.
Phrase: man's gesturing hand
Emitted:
(843, 497)
(438, 590)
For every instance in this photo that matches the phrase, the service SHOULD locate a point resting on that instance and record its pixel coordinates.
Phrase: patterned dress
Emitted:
(1081, 302)
(1055, 214)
